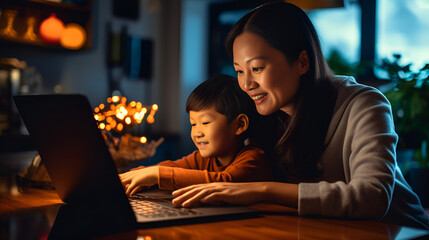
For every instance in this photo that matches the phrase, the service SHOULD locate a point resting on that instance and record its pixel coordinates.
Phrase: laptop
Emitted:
(82, 170)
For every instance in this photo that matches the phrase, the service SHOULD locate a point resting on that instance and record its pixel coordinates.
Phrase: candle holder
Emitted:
(9, 30)
(115, 119)
(29, 33)
(128, 149)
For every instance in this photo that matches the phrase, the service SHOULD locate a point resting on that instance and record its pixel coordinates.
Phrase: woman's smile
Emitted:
(259, 98)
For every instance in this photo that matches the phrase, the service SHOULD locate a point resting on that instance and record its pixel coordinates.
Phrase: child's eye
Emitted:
(205, 123)
(193, 124)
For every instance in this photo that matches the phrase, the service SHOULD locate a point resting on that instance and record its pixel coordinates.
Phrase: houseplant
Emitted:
(409, 97)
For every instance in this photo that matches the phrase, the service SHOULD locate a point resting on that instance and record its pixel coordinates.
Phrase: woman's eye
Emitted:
(257, 69)
(239, 71)
(193, 124)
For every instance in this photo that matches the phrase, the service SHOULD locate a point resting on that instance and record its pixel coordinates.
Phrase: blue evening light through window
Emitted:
(339, 30)
(403, 28)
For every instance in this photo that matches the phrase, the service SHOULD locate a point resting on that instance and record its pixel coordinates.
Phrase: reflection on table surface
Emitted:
(38, 214)
(30, 213)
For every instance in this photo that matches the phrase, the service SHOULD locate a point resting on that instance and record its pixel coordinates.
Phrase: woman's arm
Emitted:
(238, 193)
(362, 149)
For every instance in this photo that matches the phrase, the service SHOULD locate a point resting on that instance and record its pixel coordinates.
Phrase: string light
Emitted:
(118, 115)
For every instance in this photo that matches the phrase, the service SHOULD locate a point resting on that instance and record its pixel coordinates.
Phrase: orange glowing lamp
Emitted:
(73, 37)
(51, 29)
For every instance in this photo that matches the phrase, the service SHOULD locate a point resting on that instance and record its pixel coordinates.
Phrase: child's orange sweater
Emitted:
(249, 165)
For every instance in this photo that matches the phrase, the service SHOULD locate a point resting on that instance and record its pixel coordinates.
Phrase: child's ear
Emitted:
(242, 124)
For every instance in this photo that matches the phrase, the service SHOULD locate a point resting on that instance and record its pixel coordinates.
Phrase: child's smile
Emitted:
(202, 144)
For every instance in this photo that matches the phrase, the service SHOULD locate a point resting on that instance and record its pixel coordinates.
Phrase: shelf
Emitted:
(85, 7)
(38, 10)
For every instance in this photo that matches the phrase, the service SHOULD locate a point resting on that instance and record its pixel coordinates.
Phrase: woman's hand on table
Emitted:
(234, 193)
(244, 193)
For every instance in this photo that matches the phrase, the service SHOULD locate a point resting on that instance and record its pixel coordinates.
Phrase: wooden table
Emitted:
(29, 213)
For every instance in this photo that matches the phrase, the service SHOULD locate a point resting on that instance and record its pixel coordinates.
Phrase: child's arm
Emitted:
(137, 178)
(249, 165)
(133, 181)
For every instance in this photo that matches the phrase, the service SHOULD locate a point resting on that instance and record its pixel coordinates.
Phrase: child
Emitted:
(220, 114)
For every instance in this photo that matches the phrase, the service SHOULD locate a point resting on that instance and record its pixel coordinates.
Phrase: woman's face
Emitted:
(264, 73)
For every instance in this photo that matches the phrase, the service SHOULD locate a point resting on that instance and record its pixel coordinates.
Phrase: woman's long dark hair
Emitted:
(300, 141)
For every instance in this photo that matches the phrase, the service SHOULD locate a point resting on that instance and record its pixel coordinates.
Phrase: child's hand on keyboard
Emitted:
(134, 181)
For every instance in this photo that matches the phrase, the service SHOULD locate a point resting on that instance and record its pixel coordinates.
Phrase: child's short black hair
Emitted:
(224, 93)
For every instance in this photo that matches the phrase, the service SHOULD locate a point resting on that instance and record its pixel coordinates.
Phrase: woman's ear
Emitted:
(303, 63)
(242, 124)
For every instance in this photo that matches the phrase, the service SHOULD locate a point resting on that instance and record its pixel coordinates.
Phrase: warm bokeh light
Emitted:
(143, 139)
(150, 119)
(113, 123)
(118, 115)
(128, 120)
(73, 37)
(51, 29)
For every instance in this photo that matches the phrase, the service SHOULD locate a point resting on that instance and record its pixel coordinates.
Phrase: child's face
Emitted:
(212, 133)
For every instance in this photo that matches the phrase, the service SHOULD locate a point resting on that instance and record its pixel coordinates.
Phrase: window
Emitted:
(403, 28)
(353, 37)
(339, 32)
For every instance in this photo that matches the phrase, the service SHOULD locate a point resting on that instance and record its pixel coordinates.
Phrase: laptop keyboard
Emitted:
(151, 209)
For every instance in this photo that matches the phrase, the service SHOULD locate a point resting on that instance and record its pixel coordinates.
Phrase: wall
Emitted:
(193, 59)
(86, 72)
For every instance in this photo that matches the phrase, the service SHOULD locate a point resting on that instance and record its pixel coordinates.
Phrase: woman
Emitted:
(335, 156)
